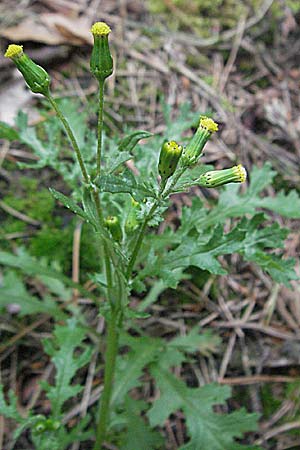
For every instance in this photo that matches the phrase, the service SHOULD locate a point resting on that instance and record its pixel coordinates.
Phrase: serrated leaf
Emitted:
(27, 135)
(129, 142)
(205, 342)
(78, 433)
(131, 365)
(56, 287)
(138, 434)
(69, 204)
(251, 238)
(117, 160)
(206, 429)
(233, 204)
(9, 410)
(14, 291)
(260, 178)
(257, 239)
(134, 314)
(8, 132)
(32, 266)
(89, 208)
(63, 351)
(123, 183)
(285, 205)
(281, 270)
(204, 256)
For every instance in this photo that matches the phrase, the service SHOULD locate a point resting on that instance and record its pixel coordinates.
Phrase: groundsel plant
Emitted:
(123, 209)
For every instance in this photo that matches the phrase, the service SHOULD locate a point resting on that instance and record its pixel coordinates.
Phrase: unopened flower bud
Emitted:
(52, 424)
(113, 224)
(169, 156)
(193, 150)
(101, 60)
(37, 79)
(39, 427)
(215, 178)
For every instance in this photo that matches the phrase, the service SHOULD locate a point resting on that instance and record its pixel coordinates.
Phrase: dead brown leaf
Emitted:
(51, 29)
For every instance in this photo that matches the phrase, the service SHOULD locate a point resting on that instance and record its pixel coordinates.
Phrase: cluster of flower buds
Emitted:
(43, 425)
(171, 153)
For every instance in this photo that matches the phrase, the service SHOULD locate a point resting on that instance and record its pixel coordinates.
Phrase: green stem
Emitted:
(105, 247)
(95, 194)
(139, 240)
(100, 125)
(176, 177)
(71, 137)
(110, 364)
(112, 326)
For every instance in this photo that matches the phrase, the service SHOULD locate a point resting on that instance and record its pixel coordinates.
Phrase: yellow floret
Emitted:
(173, 145)
(209, 124)
(13, 50)
(100, 29)
(242, 173)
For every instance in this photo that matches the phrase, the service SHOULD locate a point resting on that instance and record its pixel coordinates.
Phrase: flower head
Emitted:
(101, 62)
(208, 124)
(194, 149)
(37, 79)
(100, 29)
(13, 51)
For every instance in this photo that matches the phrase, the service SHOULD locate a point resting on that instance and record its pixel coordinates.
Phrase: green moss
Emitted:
(12, 225)
(203, 15)
(90, 254)
(269, 400)
(53, 240)
(56, 244)
(30, 200)
(278, 8)
(197, 60)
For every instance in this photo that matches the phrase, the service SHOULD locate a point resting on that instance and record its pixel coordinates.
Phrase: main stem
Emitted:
(112, 329)
(71, 137)
(106, 251)
(112, 338)
(100, 125)
(110, 365)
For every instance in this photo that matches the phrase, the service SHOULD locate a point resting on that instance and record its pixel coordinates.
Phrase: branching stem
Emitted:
(162, 195)
(139, 240)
